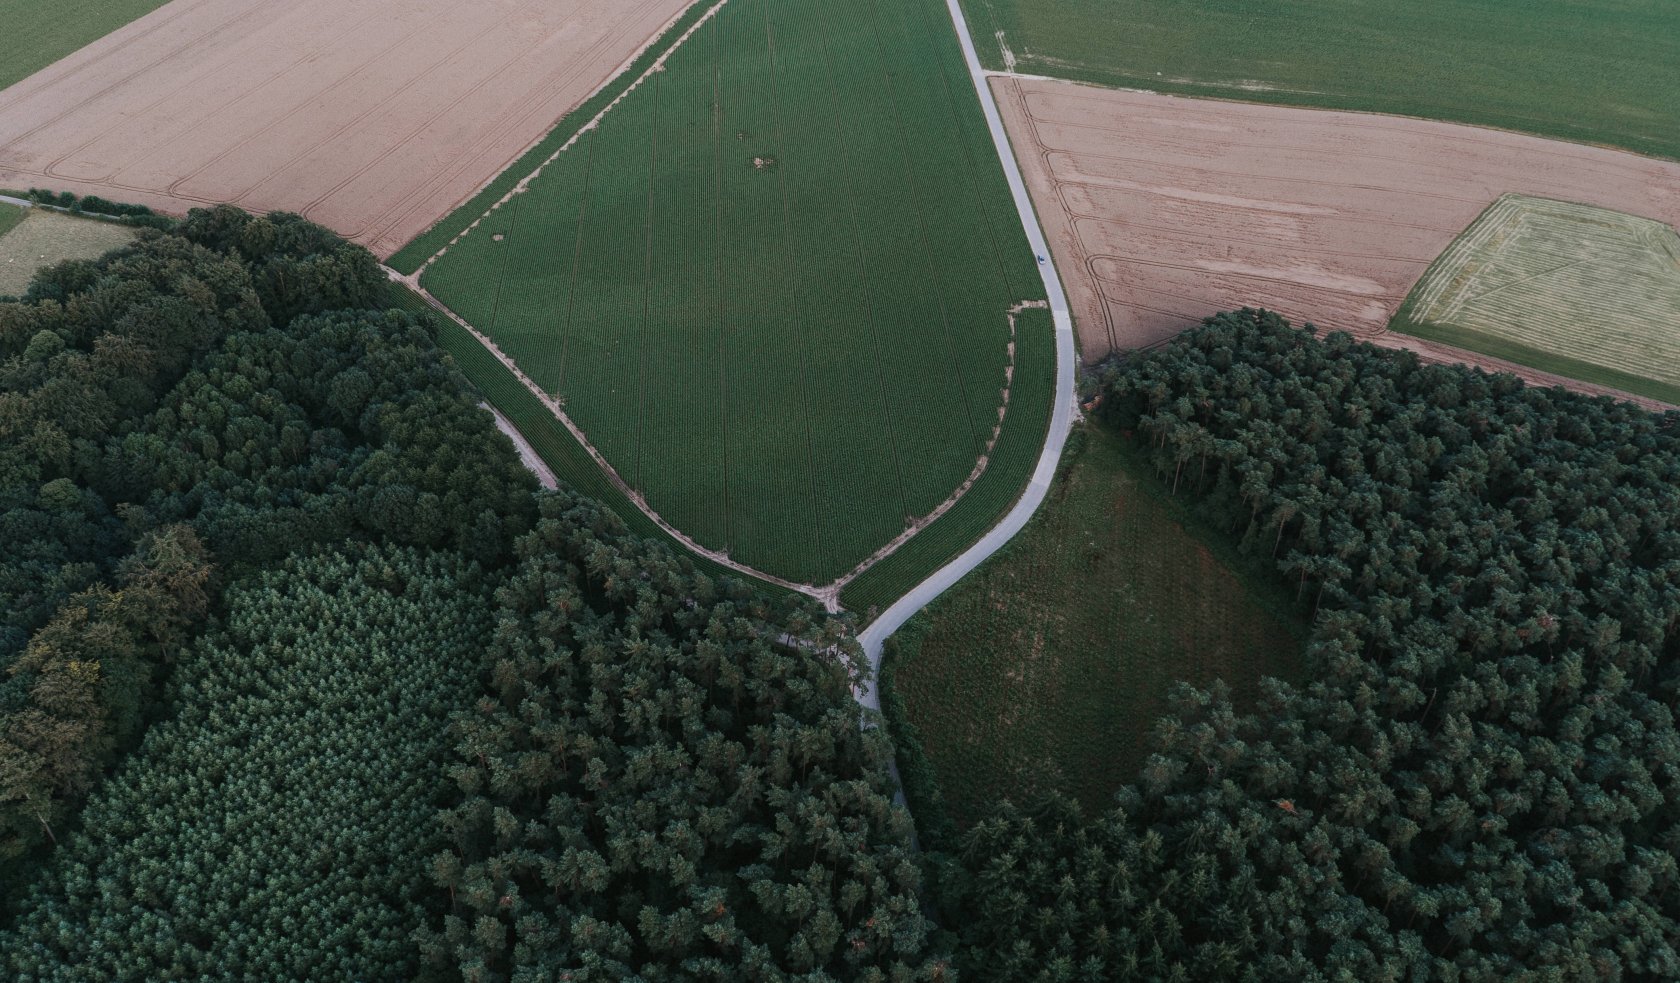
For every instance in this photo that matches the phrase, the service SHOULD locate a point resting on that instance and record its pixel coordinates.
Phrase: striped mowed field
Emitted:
(1581, 291)
(772, 284)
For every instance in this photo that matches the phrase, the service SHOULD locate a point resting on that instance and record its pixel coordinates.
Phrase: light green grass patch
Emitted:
(772, 284)
(1603, 72)
(1046, 669)
(10, 216)
(1581, 291)
(36, 33)
(41, 238)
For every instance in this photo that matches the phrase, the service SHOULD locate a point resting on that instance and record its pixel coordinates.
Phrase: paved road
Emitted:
(1060, 421)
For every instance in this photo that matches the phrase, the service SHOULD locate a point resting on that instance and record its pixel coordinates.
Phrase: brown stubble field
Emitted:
(1163, 210)
(373, 117)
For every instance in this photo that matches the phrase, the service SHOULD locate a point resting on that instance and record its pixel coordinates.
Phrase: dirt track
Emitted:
(372, 117)
(1163, 210)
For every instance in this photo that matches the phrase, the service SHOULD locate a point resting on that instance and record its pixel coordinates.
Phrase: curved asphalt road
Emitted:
(1061, 417)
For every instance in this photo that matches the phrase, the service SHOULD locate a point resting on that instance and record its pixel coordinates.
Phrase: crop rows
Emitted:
(771, 285)
(995, 492)
(1582, 291)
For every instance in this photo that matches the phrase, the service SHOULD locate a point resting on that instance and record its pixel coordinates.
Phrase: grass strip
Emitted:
(1535, 358)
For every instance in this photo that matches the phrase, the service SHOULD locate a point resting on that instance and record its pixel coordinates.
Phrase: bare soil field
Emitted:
(374, 117)
(1164, 209)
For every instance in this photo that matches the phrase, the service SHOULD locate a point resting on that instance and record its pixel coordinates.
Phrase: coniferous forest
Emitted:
(1482, 782)
(305, 679)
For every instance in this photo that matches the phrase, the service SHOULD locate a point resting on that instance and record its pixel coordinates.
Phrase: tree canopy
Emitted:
(347, 698)
(1483, 779)
(171, 402)
(271, 827)
(661, 781)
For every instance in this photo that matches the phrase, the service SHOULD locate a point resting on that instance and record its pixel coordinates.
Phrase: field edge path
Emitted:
(1061, 419)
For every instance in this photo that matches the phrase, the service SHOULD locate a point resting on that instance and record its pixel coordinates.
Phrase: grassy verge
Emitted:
(424, 246)
(1536, 358)
(1047, 668)
(1596, 73)
(916, 773)
(10, 216)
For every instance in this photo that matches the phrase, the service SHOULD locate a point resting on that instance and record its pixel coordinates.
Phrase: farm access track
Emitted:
(828, 594)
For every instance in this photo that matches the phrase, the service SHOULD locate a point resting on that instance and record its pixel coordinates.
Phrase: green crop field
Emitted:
(1584, 292)
(998, 487)
(548, 436)
(1596, 72)
(1046, 668)
(39, 238)
(35, 33)
(772, 284)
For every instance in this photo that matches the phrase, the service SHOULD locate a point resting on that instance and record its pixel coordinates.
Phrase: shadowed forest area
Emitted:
(304, 676)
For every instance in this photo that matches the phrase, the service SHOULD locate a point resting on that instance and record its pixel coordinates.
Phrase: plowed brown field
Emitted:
(372, 117)
(1163, 210)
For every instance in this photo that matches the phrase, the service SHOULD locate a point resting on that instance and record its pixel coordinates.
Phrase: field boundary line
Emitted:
(411, 281)
(981, 462)
(577, 262)
(548, 131)
(827, 594)
(792, 290)
(27, 203)
(647, 277)
(933, 275)
(508, 119)
(525, 182)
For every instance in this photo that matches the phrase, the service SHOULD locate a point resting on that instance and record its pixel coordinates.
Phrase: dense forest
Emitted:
(659, 782)
(272, 823)
(1483, 780)
(305, 679)
(160, 436)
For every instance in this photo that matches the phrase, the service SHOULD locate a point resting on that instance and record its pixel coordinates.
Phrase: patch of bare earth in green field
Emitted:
(42, 238)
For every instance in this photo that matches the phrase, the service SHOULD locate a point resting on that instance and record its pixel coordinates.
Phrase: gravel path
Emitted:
(1061, 419)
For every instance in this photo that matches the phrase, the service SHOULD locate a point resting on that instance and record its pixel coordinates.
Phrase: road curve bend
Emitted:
(1061, 419)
